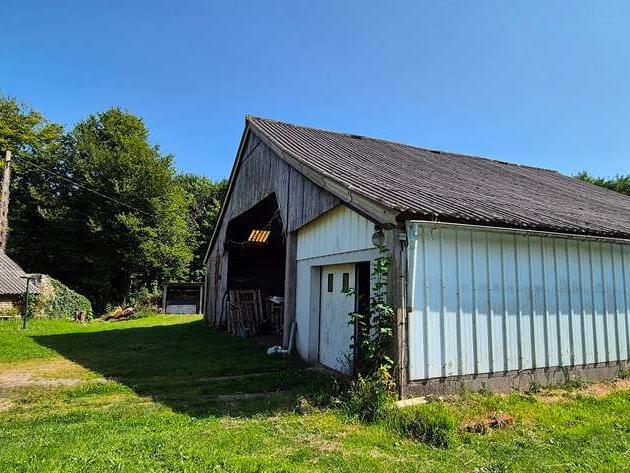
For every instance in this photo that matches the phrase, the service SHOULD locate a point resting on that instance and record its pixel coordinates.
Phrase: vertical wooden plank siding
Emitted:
(484, 301)
(262, 173)
(289, 285)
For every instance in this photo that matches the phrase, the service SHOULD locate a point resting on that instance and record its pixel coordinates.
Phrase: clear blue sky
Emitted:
(544, 83)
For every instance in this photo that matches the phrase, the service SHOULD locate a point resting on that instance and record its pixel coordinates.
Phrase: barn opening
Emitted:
(256, 247)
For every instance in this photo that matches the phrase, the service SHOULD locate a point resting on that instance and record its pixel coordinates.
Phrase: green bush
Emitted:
(369, 398)
(57, 300)
(10, 312)
(145, 299)
(430, 423)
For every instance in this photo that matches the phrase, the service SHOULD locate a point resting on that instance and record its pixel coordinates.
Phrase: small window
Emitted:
(345, 283)
(330, 282)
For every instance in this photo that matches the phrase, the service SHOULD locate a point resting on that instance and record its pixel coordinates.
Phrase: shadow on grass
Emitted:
(191, 368)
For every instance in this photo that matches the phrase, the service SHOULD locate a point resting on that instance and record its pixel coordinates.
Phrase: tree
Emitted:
(102, 209)
(204, 202)
(132, 233)
(23, 132)
(23, 129)
(619, 183)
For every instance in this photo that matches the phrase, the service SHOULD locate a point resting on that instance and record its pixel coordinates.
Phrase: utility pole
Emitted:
(4, 202)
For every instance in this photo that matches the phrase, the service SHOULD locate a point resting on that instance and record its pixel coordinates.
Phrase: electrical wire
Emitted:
(20, 158)
(267, 226)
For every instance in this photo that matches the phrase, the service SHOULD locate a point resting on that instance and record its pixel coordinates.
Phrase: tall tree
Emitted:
(23, 132)
(204, 202)
(123, 227)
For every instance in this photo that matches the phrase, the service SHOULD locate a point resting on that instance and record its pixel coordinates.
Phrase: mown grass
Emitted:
(147, 402)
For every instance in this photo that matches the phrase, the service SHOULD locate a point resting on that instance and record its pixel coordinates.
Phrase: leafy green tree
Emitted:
(204, 202)
(148, 225)
(23, 129)
(28, 135)
(135, 234)
(618, 183)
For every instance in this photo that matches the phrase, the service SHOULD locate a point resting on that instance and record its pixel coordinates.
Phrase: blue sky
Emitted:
(543, 83)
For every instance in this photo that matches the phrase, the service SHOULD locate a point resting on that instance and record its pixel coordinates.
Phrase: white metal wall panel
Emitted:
(340, 230)
(487, 301)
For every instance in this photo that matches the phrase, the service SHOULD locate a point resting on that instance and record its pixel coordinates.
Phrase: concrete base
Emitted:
(516, 380)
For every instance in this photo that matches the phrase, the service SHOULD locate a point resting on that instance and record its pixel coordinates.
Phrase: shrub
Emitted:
(369, 398)
(146, 299)
(430, 423)
(10, 312)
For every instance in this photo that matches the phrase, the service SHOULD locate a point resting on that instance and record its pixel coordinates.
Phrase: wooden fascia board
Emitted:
(369, 208)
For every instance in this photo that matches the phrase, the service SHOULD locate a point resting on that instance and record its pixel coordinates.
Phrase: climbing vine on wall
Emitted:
(371, 394)
(375, 329)
(58, 300)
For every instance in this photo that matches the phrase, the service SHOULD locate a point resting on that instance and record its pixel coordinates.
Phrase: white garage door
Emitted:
(335, 333)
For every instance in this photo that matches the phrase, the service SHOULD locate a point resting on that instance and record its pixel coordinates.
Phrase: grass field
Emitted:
(166, 394)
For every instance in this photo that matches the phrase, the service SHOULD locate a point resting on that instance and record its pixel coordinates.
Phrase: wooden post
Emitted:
(201, 311)
(4, 202)
(164, 297)
(290, 275)
(397, 292)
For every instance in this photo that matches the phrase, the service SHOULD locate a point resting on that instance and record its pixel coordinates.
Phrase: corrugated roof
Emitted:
(11, 281)
(436, 185)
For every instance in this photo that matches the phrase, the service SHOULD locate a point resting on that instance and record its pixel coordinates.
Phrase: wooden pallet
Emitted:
(245, 311)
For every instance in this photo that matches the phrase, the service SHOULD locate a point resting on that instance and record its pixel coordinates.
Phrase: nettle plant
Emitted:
(375, 329)
(371, 393)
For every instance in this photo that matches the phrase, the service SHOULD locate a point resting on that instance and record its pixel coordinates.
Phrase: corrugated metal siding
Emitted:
(338, 231)
(486, 301)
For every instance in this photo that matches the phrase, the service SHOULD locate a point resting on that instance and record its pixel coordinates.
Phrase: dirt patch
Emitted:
(5, 405)
(594, 390)
(496, 420)
(44, 373)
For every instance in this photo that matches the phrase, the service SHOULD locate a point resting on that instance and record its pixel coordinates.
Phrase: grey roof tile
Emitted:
(11, 281)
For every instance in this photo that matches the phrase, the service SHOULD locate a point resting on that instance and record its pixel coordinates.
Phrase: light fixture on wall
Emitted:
(378, 237)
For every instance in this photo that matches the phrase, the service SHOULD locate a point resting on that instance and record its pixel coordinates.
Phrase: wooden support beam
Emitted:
(397, 294)
(290, 276)
(200, 310)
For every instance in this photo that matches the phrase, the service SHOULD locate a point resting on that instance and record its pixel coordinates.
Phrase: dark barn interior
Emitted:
(255, 243)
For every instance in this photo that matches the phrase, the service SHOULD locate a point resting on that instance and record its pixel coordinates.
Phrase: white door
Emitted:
(335, 332)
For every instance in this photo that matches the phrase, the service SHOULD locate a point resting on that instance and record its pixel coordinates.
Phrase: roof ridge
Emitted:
(382, 140)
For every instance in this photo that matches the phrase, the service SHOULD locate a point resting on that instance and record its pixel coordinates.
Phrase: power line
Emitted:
(82, 186)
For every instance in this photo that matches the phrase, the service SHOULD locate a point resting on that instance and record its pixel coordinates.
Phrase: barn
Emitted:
(502, 275)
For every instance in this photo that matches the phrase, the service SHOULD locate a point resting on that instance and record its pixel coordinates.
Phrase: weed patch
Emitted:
(370, 398)
(431, 423)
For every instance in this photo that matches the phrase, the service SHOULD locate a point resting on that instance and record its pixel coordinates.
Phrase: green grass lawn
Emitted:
(164, 393)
